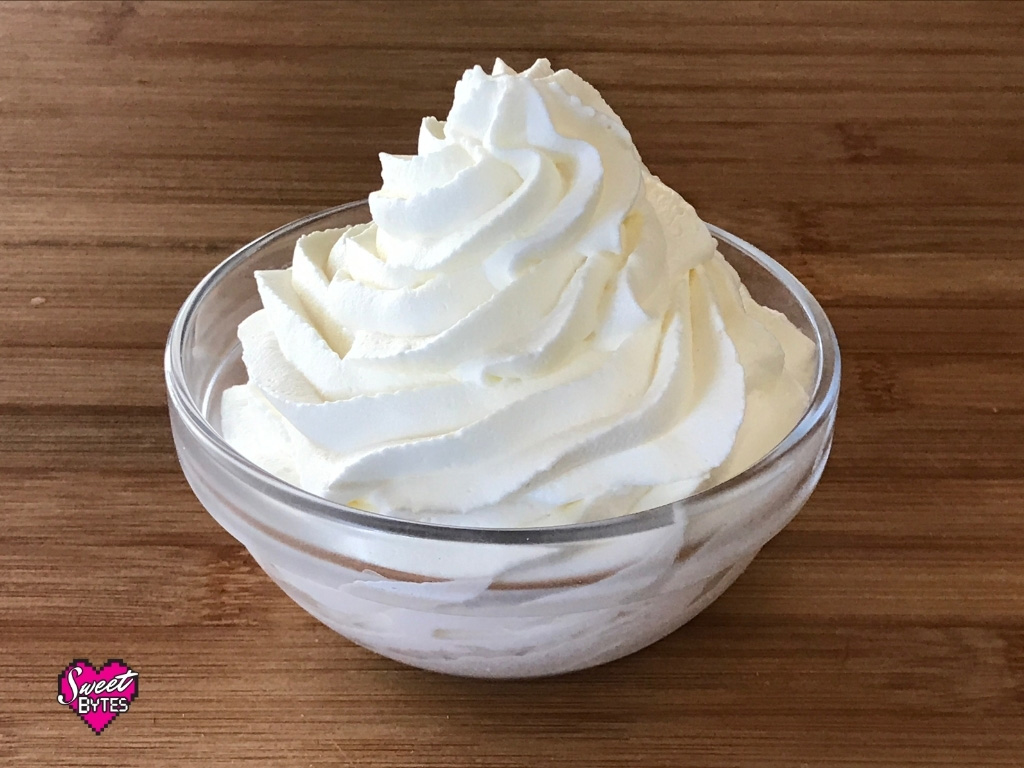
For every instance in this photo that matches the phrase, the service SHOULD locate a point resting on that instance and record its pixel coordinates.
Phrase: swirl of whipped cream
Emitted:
(533, 330)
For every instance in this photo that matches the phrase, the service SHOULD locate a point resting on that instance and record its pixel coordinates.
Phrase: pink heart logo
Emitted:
(97, 695)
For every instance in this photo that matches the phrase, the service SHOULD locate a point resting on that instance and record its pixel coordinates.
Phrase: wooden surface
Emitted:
(875, 149)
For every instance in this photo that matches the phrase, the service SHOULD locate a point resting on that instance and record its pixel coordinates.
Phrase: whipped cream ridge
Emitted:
(533, 330)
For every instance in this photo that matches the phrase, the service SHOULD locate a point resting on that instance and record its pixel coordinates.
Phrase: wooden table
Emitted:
(874, 148)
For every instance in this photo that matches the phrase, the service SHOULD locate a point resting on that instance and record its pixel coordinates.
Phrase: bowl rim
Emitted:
(181, 402)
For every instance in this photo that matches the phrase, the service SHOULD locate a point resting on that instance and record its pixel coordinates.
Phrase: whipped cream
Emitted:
(533, 330)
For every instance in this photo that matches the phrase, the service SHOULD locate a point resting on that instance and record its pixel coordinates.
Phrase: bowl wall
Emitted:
(480, 602)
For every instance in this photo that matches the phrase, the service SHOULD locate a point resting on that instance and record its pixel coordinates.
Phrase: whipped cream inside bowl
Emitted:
(533, 330)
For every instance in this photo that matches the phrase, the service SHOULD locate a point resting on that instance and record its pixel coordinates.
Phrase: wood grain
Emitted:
(874, 148)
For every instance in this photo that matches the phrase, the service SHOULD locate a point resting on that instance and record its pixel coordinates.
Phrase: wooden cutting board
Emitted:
(874, 148)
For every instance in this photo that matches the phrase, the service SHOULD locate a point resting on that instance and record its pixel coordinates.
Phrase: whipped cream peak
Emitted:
(539, 155)
(532, 329)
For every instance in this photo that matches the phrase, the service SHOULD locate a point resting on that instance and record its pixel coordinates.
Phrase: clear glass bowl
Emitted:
(485, 602)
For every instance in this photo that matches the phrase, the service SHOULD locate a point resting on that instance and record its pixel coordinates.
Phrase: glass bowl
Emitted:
(485, 602)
